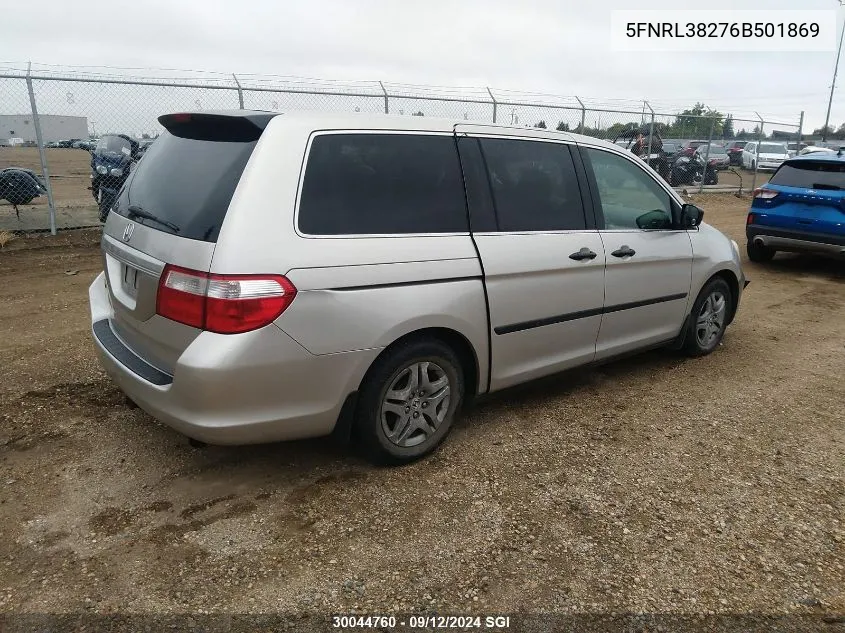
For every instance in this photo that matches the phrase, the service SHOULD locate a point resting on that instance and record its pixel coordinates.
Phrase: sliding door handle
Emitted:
(584, 253)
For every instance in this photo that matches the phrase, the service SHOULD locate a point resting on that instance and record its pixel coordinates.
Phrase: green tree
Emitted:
(695, 122)
(822, 131)
(728, 127)
(541, 124)
(617, 128)
(562, 127)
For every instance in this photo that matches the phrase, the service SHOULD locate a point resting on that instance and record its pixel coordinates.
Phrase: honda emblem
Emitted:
(127, 232)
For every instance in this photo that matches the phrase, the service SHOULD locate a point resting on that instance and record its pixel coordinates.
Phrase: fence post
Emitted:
(757, 154)
(800, 130)
(650, 134)
(41, 153)
(583, 114)
(386, 106)
(240, 92)
(495, 105)
(707, 154)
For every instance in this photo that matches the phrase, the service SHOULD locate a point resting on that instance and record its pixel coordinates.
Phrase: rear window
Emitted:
(380, 184)
(187, 184)
(811, 175)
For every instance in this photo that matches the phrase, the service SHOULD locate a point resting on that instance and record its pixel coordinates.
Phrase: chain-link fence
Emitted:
(52, 122)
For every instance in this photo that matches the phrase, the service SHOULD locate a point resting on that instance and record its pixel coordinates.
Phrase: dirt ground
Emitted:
(70, 171)
(657, 484)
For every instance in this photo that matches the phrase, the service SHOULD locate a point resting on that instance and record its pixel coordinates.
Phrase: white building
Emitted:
(54, 127)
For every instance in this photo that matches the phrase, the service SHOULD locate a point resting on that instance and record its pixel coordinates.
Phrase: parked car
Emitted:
(800, 209)
(716, 157)
(734, 150)
(816, 149)
(689, 147)
(65, 143)
(311, 273)
(795, 148)
(770, 155)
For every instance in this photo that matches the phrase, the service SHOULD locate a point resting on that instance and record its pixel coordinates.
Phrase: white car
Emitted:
(814, 149)
(770, 155)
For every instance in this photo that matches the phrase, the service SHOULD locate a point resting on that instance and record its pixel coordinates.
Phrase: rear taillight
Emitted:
(765, 194)
(226, 304)
(750, 219)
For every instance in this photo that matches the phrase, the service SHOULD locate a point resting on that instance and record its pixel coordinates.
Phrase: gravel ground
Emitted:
(657, 484)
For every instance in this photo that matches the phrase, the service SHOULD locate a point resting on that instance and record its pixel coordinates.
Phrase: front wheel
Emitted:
(408, 401)
(709, 318)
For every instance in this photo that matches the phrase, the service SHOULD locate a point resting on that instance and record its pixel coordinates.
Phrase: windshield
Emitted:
(772, 148)
(811, 174)
(114, 145)
(714, 150)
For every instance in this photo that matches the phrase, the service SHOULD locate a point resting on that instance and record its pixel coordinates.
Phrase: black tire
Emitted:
(759, 253)
(701, 339)
(372, 425)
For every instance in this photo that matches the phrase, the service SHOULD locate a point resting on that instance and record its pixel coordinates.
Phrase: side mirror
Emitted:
(691, 216)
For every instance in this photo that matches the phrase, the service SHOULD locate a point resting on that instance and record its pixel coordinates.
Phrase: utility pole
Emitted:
(833, 83)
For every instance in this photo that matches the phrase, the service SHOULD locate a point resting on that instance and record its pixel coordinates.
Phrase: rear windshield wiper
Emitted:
(138, 212)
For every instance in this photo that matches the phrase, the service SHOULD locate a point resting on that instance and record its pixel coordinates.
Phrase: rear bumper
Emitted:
(249, 388)
(796, 241)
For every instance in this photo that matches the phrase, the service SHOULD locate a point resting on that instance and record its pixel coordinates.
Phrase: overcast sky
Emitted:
(549, 46)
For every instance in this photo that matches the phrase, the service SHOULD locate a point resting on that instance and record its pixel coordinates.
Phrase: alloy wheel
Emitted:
(415, 404)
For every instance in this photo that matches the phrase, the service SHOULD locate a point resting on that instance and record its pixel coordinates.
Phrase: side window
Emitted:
(534, 185)
(629, 197)
(382, 184)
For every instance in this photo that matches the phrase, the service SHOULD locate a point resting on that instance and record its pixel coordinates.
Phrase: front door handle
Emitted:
(624, 251)
(584, 253)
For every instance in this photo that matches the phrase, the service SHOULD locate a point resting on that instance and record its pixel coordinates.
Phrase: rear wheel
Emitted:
(408, 401)
(758, 252)
(709, 318)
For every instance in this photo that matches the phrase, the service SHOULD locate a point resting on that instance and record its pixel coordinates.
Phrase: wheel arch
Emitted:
(467, 355)
(733, 283)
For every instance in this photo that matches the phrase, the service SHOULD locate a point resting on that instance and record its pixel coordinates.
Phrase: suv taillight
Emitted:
(765, 194)
(226, 304)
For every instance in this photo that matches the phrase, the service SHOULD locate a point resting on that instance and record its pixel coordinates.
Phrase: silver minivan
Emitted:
(278, 276)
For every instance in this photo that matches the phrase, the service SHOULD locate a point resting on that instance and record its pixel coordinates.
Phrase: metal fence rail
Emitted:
(38, 108)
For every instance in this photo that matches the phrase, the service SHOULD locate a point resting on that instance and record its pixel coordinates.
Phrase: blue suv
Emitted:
(801, 209)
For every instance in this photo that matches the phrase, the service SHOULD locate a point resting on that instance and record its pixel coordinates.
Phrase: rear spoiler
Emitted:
(239, 126)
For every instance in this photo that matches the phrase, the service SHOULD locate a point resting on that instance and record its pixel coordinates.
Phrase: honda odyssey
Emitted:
(278, 276)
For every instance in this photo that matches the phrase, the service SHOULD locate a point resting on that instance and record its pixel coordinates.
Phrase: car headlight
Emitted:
(116, 172)
(102, 170)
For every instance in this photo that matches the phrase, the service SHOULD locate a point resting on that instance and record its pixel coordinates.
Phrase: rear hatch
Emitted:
(169, 213)
(804, 195)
